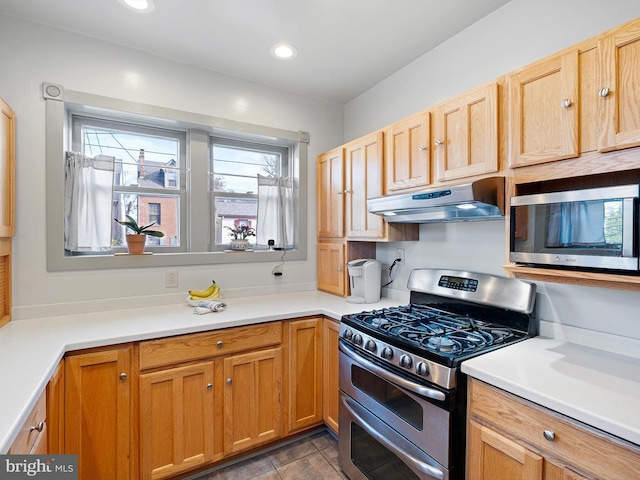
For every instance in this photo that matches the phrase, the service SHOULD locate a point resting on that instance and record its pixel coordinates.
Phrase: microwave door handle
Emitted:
(404, 456)
(627, 225)
(391, 377)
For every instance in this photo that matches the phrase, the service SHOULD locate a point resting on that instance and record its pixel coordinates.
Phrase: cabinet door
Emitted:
(304, 373)
(407, 153)
(466, 134)
(55, 410)
(543, 111)
(252, 399)
(330, 388)
(176, 420)
(495, 457)
(7, 169)
(363, 179)
(98, 413)
(330, 186)
(619, 54)
(331, 267)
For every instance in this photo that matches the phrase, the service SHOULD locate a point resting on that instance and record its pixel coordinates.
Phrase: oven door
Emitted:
(370, 450)
(415, 411)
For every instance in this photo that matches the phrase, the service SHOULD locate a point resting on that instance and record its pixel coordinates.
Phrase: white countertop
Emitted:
(593, 386)
(590, 385)
(30, 349)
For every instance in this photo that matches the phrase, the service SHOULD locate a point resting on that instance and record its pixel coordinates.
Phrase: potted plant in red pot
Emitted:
(137, 240)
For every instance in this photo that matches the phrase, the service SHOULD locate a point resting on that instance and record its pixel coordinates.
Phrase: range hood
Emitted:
(480, 200)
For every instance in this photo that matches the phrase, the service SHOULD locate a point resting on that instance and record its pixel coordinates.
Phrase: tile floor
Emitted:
(310, 458)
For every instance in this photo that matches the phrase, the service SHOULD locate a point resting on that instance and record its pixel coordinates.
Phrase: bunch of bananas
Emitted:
(210, 293)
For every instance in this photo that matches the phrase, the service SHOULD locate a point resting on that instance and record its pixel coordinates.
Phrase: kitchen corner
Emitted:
(32, 348)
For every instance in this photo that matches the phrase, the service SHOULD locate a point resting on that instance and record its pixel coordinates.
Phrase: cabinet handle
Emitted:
(339, 192)
(209, 386)
(566, 103)
(38, 428)
(423, 148)
(229, 381)
(439, 143)
(549, 435)
(123, 376)
(604, 92)
(348, 191)
(220, 344)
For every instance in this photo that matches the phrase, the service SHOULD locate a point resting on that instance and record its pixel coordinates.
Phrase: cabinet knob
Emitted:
(229, 381)
(339, 269)
(423, 148)
(38, 428)
(549, 435)
(220, 344)
(604, 92)
(566, 103)
(123, 376)
(209, 386)
(347, 191)
(439, 143)
(339, 192)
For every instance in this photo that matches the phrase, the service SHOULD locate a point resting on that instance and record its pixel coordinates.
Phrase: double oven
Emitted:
(402, 396)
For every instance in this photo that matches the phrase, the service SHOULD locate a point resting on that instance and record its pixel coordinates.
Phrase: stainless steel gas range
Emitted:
(402, 394)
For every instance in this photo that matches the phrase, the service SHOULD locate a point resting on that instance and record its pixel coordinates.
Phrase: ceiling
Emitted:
(344, 46)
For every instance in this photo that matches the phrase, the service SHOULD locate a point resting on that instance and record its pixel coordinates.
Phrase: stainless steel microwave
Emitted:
(591, 228)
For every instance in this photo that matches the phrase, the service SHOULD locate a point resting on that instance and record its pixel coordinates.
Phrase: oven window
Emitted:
(388, 395)
(375, 460)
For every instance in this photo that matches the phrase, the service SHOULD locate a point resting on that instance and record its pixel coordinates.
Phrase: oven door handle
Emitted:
(416, 464)
(390, 376)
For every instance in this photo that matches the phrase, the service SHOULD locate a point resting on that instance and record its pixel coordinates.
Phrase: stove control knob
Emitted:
(347, 334)
(357, 339)
(370, 345)
(422, 369)
(387, 353)
(406, 361)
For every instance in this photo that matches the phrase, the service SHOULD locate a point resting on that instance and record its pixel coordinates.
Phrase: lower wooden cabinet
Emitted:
(55, 410)
(303, 373)
(99, 387)
(177, 420)
(513, 439)
(330, 371)
(252, 399)
(32, 437)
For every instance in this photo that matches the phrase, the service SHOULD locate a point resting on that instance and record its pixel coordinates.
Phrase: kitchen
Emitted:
(516, 34)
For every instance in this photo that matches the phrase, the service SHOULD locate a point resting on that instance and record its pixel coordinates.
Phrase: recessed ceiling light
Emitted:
(284, 51)
(139, 5)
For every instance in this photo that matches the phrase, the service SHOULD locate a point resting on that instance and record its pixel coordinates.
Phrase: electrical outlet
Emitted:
(171, 278)
(400, 255)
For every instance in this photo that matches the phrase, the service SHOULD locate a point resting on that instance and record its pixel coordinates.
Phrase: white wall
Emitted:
(511, 37)
(31, 54)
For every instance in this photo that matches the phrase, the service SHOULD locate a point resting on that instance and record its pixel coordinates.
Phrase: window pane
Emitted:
(235, 169)
(232, 213)
(144, 208)
(144, 160)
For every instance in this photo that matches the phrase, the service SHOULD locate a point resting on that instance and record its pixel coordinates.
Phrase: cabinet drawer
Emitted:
(572, 444)
(196, 346)
(34, 429)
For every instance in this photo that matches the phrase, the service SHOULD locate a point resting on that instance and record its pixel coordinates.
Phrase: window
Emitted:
(148, 163)
(235, 167)
(190, 174)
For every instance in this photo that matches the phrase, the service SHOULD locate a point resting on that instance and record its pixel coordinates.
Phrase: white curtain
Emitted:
(88, 202)
(576, 223)
(275, 211)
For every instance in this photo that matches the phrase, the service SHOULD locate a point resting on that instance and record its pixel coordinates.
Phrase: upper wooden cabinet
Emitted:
(543, 111)
(363, 179)
(7, 169)
(619, 58)
(330, 191)
(407, 153)
(466, 134)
